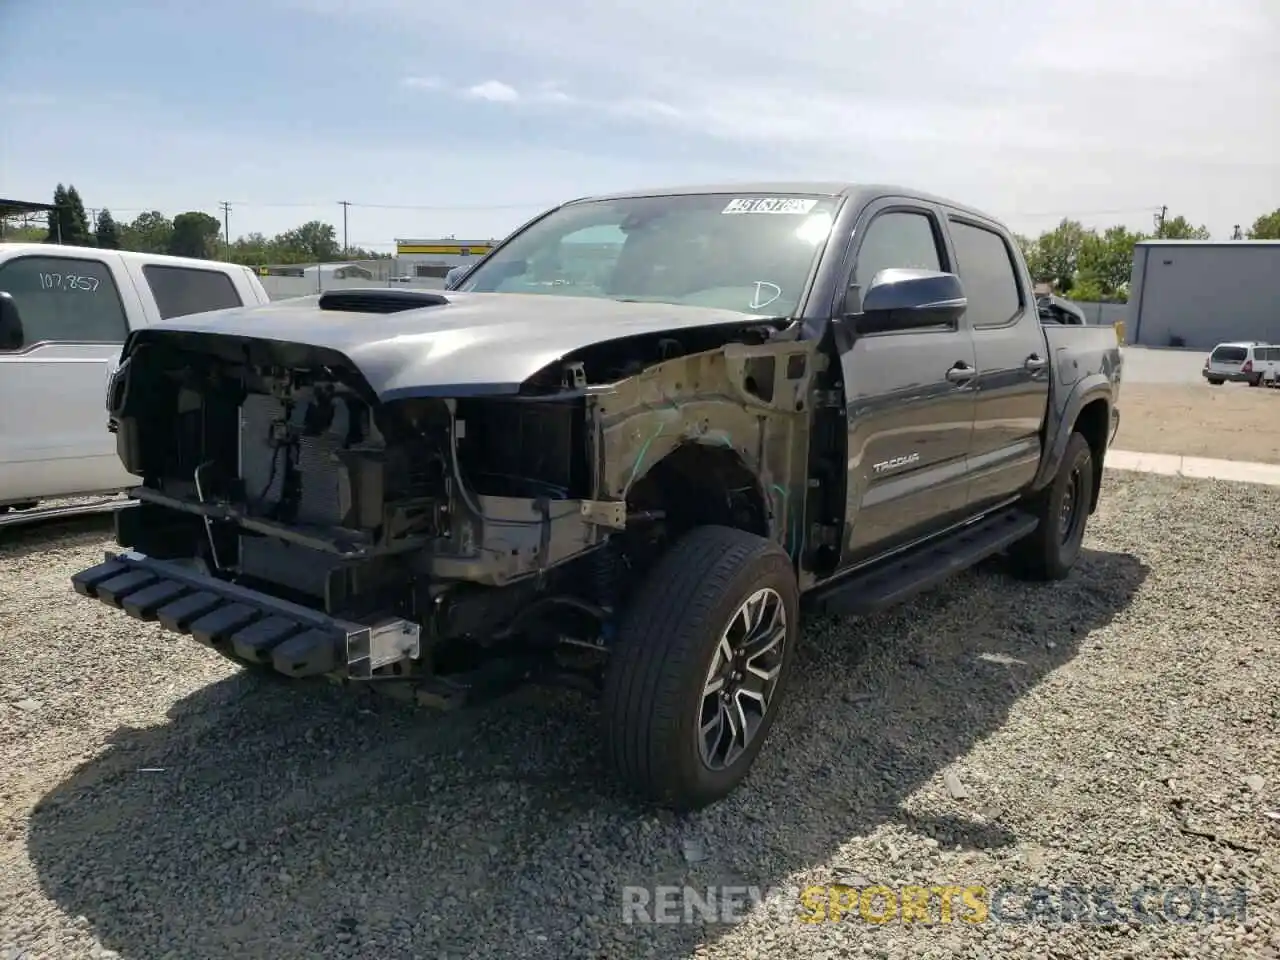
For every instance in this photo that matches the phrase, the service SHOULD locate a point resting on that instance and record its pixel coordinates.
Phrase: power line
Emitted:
(386, 206)
(478, 207)
(1085, 213)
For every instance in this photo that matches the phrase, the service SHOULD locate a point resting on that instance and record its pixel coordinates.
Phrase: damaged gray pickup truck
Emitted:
(639, 439)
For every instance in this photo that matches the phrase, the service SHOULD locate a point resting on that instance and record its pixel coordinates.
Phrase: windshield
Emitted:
(1229, 355)
(747, 253)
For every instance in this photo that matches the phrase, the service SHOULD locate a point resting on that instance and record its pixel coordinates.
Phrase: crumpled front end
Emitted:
(289, 517)
(292, 515)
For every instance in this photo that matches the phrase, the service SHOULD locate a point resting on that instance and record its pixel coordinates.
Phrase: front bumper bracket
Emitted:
(251, 626)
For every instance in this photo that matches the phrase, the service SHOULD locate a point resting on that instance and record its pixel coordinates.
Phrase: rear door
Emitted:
(53, 423)
(1227, 359)
(1012, 387)
(909, 416)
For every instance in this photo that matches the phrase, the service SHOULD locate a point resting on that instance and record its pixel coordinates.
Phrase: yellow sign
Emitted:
(445, 249)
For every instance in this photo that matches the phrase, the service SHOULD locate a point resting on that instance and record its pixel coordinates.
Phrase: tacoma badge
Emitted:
(895, 463)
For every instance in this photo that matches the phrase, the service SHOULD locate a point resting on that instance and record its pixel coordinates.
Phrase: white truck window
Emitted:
(180, 291)
(64, 299)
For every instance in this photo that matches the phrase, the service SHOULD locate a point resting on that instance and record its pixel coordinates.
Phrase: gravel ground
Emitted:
(156, 803)
(1230, 422)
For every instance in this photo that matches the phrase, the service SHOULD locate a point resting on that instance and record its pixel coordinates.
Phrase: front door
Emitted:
(909, 400)
(53, 420)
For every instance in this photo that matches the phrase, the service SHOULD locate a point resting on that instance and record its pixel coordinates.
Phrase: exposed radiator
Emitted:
(276, 561)
(263, 464)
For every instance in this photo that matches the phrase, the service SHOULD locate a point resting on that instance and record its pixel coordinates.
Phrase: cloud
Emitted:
(551, 94)
(495, 91)
(1071, 105)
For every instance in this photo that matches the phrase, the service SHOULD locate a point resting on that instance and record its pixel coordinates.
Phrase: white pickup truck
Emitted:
(64, 315)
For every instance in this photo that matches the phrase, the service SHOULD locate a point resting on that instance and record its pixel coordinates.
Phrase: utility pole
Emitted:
(345, 246)
(226, 229)
(1159, 218)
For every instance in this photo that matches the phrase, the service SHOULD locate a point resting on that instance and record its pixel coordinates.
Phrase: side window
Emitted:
(180, 291)
(64, 299)
(897, 240)
(985, 265)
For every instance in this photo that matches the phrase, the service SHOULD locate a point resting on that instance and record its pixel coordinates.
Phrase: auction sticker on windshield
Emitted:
(796, 206)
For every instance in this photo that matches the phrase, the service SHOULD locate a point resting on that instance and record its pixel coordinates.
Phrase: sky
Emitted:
(467, 119)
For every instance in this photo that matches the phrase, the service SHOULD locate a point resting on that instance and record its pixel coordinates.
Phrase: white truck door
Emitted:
(75, 308)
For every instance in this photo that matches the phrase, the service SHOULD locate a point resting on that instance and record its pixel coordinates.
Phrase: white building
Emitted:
(1198, 293)
(423, 259)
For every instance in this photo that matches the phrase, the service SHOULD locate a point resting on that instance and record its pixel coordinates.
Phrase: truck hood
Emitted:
(477, 343)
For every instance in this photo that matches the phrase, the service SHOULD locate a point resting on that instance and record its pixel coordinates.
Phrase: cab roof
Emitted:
(860, 193)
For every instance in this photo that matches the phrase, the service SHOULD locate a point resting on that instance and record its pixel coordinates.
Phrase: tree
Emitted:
(1088, 290)
(251, 249)
(195, 234)
(106, 231)
(1055, 255)
(1266, 227)
(314, 241)
(68, 222)
(148, 233)
(1180, 228)
(1105, 264)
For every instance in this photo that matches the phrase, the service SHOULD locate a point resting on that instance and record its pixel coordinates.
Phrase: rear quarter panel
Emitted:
(1087, 365)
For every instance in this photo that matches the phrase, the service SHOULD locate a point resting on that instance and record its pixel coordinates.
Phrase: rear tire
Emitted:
(702, 658)
(1062, 507)
(1256, 381)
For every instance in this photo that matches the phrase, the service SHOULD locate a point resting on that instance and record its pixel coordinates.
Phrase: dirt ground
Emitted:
(1229, 422)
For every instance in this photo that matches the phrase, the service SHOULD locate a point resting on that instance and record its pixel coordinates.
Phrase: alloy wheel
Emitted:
(740, 683)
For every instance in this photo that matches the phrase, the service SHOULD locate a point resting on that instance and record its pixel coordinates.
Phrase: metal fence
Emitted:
(307, 279)
(1103, 314)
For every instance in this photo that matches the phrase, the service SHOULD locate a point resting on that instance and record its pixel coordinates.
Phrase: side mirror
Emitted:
(453, 276)
(902, 299)
(12, 335)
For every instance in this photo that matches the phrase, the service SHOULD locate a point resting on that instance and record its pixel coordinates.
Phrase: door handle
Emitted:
(960, 373)
(1035, 363)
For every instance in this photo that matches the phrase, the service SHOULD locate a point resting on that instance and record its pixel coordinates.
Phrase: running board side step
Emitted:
(869, 591)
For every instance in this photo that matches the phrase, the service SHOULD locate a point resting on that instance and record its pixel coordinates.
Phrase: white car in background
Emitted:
(64, 314)
(1247, 361)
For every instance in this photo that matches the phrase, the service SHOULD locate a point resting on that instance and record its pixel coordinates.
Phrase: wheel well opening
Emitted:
(1092, 424)
(697, 484)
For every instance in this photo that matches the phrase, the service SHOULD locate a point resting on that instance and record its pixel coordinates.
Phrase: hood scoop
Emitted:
(380, 300)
